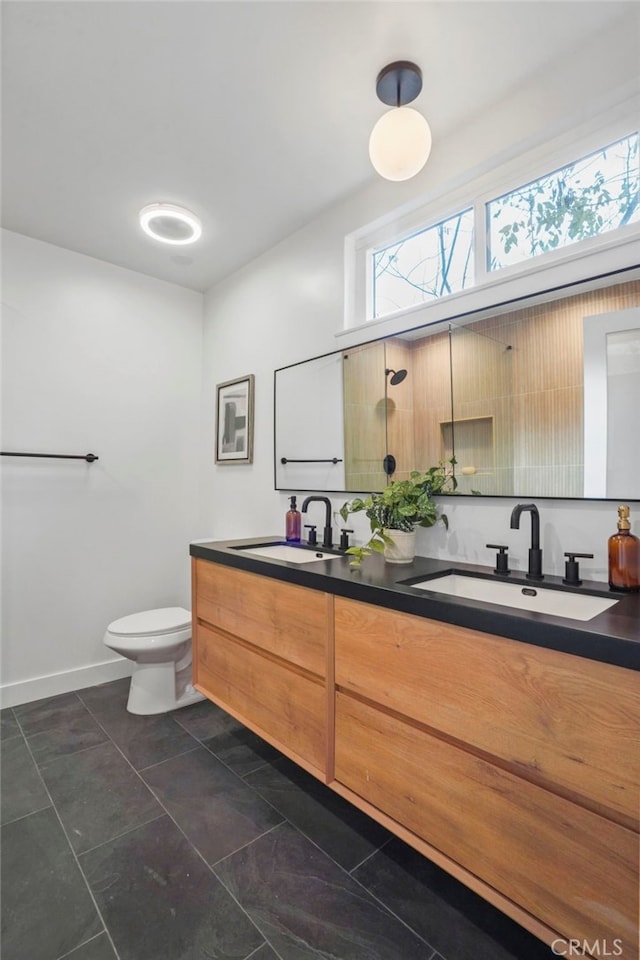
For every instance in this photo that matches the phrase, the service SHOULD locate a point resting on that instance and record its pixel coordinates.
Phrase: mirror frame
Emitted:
(463, 319)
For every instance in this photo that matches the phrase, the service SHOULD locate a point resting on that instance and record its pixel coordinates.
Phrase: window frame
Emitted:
(594, 255)
(374, 251)
(487, 199)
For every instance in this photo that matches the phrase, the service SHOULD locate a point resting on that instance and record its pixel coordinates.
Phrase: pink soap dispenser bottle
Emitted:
(293, 523)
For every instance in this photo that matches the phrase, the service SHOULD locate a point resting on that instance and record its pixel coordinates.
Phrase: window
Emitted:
(429, 264)
(583, 199)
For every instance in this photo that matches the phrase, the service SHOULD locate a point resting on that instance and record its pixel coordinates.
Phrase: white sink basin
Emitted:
(573, 606)
(284, 551)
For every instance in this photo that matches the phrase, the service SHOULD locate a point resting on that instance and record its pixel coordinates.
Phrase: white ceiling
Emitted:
(255, 114)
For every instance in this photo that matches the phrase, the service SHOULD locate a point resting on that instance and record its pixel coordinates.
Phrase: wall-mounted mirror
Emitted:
(533, 400)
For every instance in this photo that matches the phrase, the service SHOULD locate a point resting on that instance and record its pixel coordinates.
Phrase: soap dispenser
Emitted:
(293, 522)
(624, 555)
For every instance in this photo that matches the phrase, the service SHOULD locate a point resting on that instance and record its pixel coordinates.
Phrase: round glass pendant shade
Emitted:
(400, 143)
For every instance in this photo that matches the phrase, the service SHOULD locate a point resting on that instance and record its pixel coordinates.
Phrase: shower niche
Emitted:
(471, 441)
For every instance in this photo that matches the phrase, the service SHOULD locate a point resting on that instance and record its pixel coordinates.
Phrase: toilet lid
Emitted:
(156, 622)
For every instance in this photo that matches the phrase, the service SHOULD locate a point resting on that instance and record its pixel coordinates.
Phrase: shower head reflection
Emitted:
(398, 376)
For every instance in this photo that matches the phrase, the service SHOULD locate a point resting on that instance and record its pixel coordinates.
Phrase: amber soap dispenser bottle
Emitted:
(624, 555)
(293, 522)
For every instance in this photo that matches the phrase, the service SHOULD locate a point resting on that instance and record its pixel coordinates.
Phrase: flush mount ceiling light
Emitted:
(170, 223)
(400, 142)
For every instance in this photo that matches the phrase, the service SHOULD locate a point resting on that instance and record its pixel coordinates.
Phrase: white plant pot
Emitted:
(403, 548)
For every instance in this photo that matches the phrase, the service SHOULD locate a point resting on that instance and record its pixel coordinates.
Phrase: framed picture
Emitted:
(234, 421)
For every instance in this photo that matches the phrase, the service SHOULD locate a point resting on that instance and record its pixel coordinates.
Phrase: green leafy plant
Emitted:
(402, 505)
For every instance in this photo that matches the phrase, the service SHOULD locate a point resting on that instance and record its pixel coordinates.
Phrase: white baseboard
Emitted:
(25, 691)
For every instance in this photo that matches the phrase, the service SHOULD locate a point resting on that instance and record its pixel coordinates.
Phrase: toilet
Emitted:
(159, 643)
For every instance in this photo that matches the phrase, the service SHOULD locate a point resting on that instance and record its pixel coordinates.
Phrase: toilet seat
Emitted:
(152, 623)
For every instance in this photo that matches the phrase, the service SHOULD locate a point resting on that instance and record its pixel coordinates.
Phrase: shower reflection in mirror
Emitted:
(533, 399)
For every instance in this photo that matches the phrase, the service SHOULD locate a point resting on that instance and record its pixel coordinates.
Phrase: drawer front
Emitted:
(289, 621)
(572, 869)
(559, 720)
(289, 707)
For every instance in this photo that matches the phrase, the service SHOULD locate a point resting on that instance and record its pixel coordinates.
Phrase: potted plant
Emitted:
(402, 506)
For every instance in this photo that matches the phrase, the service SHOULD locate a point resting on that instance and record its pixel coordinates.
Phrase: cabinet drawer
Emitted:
(572, 869)
(559, 720)
(272, 698)
(285, 619)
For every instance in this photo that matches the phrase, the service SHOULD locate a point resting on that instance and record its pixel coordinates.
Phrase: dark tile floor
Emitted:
(186, 837)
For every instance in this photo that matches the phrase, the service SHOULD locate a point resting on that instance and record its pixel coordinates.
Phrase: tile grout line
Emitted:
(123, 754)
(265, 833)
(181, 831)
(310, 839)
(369, 856)
(232, 894)
(243, 776)
(158, 763)
(243, 847)
(211, 868)
(83, 944)
(239, 777)
(394, 914)
(197, 743)
(25, 815)
(119, 836)
(365, 889)
(73, 853)
(341, 868)
(56, 727)
(257, 950)
(275, 827)
(55, 696)
(64, 756)
(125, 832)
(242, 779)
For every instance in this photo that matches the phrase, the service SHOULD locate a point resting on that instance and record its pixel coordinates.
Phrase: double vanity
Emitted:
(495, 733)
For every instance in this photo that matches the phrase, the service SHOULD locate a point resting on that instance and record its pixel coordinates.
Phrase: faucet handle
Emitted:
(502, 559)
(313, 537)
(344, 538)
(571, 568)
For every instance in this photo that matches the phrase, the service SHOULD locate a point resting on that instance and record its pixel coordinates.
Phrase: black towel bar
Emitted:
(331, 460)
(89, 457)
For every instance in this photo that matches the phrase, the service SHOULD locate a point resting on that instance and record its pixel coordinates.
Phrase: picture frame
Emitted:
(234, 421)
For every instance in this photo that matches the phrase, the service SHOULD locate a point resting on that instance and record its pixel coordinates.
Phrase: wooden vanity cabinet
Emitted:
(514, 766)
(261, 652)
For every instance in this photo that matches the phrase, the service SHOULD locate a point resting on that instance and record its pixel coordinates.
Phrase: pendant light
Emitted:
(400, 142)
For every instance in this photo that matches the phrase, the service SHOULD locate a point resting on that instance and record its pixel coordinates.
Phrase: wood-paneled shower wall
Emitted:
(504, 400)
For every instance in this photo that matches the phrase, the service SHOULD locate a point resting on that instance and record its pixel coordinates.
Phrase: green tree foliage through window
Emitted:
(593, 195)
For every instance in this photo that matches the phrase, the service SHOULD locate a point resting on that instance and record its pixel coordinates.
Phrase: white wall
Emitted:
(103, 360)
(288, 305)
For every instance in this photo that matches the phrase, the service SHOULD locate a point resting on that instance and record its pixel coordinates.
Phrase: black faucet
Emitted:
(535, 553)
(327, 540)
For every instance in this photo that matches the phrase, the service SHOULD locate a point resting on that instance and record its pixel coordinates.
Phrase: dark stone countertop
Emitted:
(611, 637)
